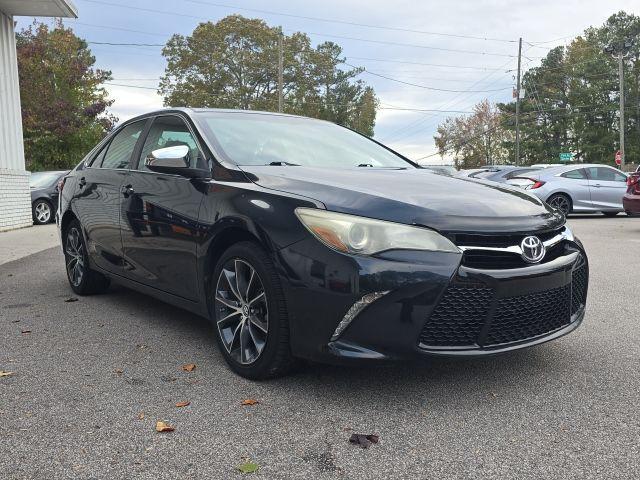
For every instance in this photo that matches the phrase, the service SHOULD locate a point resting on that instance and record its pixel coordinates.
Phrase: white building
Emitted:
(15, 199)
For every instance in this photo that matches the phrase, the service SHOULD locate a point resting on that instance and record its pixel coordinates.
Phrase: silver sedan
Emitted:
(578, 188)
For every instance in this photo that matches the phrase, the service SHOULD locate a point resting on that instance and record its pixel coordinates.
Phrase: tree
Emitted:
(476, 139)
(63, 106)
(234, 64)
(571, 102)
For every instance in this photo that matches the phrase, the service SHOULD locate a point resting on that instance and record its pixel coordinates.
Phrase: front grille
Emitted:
(498, 260)
(470, 315)
(498, 241)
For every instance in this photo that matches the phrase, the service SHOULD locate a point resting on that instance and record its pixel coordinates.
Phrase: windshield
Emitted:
(43, 179)
(255, 139)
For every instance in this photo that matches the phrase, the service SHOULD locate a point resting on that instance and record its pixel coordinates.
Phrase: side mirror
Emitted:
(174, 160)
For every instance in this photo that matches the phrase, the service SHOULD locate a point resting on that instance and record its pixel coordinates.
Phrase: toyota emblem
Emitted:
(532, 249)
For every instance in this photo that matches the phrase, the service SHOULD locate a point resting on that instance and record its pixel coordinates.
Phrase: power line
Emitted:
(425, 86)
(380, 42)
(355, 24)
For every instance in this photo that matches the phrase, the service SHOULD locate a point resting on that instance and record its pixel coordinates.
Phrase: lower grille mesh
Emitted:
(527, 316)
(458, 318)
(464, 315)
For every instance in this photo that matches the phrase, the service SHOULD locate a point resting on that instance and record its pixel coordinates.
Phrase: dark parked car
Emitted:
(502, 174)
(44, 195)
(298, 238)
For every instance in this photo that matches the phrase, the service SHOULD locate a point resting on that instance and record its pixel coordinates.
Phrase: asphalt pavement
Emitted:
(90, 379)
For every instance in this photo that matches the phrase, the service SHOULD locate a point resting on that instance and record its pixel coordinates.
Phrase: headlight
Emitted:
(365, 236)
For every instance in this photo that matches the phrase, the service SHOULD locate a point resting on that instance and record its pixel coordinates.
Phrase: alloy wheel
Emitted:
(43, 212)
(75, 256)
(242, 314)
(561, 203)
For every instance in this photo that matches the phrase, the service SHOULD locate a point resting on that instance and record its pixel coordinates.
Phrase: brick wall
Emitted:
(15, 200)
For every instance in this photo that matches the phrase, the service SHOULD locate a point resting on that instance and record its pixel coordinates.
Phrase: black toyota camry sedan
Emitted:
(298, 238)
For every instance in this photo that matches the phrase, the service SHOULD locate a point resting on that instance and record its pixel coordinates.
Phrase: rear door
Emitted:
(160, 214)
(576, 183)
(97, 197)
(607, 186)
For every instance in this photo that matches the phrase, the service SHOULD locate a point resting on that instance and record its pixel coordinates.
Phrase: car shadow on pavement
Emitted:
(440, 379)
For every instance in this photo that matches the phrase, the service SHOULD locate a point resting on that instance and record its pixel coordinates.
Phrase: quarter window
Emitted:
(118, 153)
(578, 174)
(170, 131)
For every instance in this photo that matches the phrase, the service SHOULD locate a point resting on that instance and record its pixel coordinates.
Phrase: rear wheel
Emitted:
(42, 212)
(561, 202)
(250, 313)
(610, 214)
(83, 280)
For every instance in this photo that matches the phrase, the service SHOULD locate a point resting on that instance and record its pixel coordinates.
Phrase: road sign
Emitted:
(618, 157)
(565, 157)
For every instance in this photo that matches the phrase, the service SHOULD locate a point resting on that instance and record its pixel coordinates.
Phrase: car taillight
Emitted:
(632, 180)
(60, 185)
(538, 184)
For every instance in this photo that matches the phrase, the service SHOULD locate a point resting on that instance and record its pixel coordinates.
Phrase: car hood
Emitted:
(413, 196)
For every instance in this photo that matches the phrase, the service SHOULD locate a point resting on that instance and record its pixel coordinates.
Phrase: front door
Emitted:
(97, 197)
(160, 215)
(607, 186)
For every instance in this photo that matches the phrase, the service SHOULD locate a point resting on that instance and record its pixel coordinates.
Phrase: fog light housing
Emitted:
(353, 312)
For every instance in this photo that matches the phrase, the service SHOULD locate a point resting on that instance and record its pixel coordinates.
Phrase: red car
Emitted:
(631, 199)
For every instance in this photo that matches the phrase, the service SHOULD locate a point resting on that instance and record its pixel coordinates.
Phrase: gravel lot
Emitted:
(92, 378)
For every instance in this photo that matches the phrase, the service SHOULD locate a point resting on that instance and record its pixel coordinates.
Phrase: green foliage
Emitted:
(572, 99)
(234, 64)
(63, 106)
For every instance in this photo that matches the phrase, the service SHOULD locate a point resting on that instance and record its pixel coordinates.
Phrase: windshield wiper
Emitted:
(283, 164)
(366, 165)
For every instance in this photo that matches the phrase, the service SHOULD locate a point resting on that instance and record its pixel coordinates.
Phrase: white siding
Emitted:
(15, 198)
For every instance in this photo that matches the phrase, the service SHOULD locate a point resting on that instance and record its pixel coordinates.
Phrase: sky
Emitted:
(468, 46)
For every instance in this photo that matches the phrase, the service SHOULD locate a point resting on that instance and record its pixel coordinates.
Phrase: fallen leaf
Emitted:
(141, 346)
(189, 367)
(163, 427)
(183, 404)
(71, 299)
(119, 371)
(5, 374)
(248, 467)
(25, 332)
(249, 401)
(363, 441)
(141, 416)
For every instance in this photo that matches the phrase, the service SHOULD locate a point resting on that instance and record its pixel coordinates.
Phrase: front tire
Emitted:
(250, 314)
(83, 280)
(42, 212)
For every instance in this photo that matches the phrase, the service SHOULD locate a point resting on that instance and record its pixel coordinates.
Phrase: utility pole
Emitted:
(280, 66)
(517, 159)
(620, 49)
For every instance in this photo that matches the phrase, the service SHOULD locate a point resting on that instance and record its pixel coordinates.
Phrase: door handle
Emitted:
(597, 185)
(127, 190)
(82, 182)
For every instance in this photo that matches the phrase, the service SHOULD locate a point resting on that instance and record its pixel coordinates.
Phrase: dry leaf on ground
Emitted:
(183, 404)
(189, 367)
(249, 401)
(24, 332)
(248, 467)
(71, 299)
(5, 374)
(163, 427)
(141, 416)
(363, 441)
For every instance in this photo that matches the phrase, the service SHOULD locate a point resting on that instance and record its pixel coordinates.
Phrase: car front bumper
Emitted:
(426, 303)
